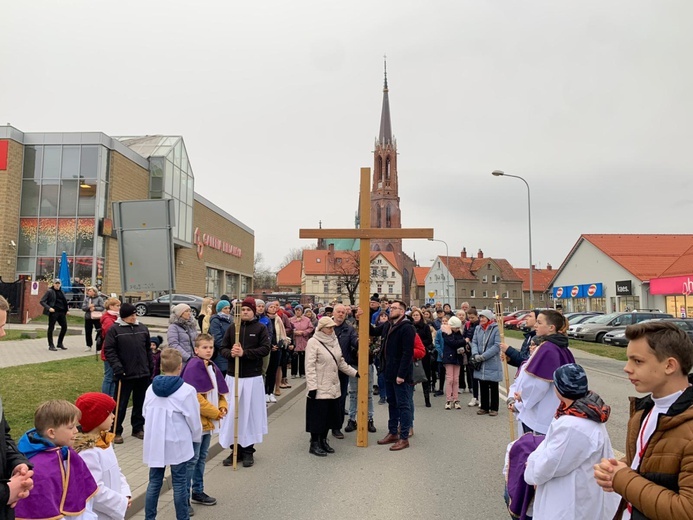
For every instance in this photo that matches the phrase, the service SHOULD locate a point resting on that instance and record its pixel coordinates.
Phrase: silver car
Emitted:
(597, 329)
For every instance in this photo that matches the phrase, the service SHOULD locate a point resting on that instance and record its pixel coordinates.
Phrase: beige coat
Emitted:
(321, 370)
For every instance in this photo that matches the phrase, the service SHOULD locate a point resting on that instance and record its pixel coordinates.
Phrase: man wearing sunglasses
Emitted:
(397, 356)
(54, 306)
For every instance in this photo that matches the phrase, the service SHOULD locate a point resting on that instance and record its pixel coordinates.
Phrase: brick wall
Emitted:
(32, 306)
(10, 198)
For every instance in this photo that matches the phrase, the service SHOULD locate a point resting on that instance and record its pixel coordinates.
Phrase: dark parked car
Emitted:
(162, 306)
(618, 337)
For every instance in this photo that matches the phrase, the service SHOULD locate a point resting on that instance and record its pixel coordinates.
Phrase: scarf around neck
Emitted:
(589, 407)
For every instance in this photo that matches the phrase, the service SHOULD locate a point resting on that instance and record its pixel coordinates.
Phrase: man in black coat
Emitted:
(54, 306)
(15, 472)
(127, 351)
(397, 353)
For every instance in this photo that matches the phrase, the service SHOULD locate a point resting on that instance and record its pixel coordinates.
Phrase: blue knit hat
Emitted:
(222, 304)
(571, 381)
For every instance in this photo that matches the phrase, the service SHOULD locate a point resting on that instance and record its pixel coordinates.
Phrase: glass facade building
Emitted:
(63, 196)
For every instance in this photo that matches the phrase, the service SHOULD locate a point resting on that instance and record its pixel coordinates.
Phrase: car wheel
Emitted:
(600, 337)
(193, 312)
(141, 309)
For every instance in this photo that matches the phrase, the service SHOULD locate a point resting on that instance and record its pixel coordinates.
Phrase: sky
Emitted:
(279, 106)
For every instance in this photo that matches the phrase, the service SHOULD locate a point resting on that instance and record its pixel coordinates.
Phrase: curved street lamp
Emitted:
(500, 173)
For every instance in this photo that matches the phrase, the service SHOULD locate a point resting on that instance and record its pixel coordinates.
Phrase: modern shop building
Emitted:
(614, 273)
(56, 194)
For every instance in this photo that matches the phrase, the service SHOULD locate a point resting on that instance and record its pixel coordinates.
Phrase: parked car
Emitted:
(162, 306)
(514, 323)
(597, 329)
(513, 315)
(578, 320)
(618, 337)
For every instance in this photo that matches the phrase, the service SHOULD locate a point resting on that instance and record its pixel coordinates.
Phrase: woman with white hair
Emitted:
(324, 361)
(486, 358)
(182, 331)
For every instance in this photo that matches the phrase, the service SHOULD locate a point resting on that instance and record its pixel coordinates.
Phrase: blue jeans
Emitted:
(196, 465)
(180, 491)
(399, 408)
(108, 386)
(353, 390)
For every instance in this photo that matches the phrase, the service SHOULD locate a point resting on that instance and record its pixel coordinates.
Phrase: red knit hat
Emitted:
(250, 303)
(95, 408)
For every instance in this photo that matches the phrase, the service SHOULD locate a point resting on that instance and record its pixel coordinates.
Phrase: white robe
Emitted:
(252, 412)
(111, 500)
(539, 402)
(173, 424)
(562, 469)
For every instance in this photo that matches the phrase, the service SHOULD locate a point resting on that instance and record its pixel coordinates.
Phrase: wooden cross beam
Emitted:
(365, 233)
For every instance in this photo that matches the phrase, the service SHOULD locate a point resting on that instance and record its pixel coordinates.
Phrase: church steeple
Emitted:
(385, 125)
(385, 211)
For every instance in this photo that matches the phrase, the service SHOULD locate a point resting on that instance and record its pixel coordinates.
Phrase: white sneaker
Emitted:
(88, 349)
(267, 399)
(272, 399)
(473, 402)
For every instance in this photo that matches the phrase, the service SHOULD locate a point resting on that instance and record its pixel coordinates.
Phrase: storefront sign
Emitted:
(4, 147)
(624, 288)
(203, 239)
(587, 290)
(673, 285)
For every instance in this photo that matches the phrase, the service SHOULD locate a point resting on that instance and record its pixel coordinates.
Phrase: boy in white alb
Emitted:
(173, 424)
(95, 447)
(561, 466)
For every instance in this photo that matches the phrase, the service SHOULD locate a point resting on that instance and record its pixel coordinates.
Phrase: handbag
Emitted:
(96, 315)
(418, 373)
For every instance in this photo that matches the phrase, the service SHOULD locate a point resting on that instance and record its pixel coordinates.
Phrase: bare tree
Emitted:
(348, 272)
(295, 253)
(263, 277)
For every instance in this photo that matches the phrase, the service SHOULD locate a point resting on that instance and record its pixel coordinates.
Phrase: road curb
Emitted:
(215, 448)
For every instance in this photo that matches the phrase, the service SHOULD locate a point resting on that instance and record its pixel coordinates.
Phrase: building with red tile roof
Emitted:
(289, 277)
(417, 289)
(614, 272)
(541, 284)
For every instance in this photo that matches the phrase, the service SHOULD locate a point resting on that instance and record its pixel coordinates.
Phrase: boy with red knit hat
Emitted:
(95, 447)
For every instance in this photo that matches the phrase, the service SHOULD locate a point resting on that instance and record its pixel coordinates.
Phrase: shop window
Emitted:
(83, 269)
(26, 265)
(65, 240)
(51, 162)
(68, 198)
(28, 236)
(33, 162)
(213, 279)
(231, 285)
(47, 233)
(70, 163)
(45, 268)
(49, 200)
(89, 162)
(85, 236)
(30, 198)
(86, 205)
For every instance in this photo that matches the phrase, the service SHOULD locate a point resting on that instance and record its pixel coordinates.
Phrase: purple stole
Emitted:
(195, 374)
(61, 488)
(519, 492)
(547, 358)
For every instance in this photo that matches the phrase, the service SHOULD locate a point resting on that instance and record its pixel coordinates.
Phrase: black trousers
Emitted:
(298, 364)
(488, 394)
(60, 319)
(271, 374)
(472, 383)
(136, 387)
(90, 325)
(344, 387)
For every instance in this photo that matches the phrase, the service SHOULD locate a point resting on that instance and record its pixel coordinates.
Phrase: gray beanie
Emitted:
(488, 314)
(571, 381)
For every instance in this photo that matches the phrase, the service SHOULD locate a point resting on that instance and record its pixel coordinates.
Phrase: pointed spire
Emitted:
(385, 136)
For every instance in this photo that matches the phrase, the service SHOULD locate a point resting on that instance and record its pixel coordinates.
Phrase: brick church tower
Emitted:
(385, 211)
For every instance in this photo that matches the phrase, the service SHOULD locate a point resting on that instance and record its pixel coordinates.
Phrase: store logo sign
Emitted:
(591, 290)
(575, 291)
(559, 292)
(687, 287)
(624, 288)
(203, 239)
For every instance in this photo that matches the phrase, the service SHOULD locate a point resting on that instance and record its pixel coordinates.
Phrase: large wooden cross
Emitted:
(364, 234)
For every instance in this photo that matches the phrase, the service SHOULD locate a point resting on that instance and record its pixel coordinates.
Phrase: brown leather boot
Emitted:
(388, 439)
(401, 444)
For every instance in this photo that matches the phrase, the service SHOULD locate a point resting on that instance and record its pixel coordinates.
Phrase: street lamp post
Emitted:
(447, 266)
(499, 173)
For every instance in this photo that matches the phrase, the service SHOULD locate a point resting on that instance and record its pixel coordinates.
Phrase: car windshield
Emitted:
(604, 319)
(576, 318)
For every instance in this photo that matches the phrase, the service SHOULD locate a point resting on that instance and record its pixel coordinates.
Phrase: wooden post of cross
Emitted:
(364, 234)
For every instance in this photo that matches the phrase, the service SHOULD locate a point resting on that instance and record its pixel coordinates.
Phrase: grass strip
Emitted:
(607, 351)
(23, 388)
(76, 318)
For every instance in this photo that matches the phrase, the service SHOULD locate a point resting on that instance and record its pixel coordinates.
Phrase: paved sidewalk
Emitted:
(30, 351)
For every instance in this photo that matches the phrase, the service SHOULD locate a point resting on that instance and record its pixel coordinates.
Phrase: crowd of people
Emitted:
(184, 388)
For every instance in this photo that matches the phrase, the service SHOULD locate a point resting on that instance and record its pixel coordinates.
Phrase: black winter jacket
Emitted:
(10, 458)
(397, 350)
(255, 340)
(53, 299)
(127, 350)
